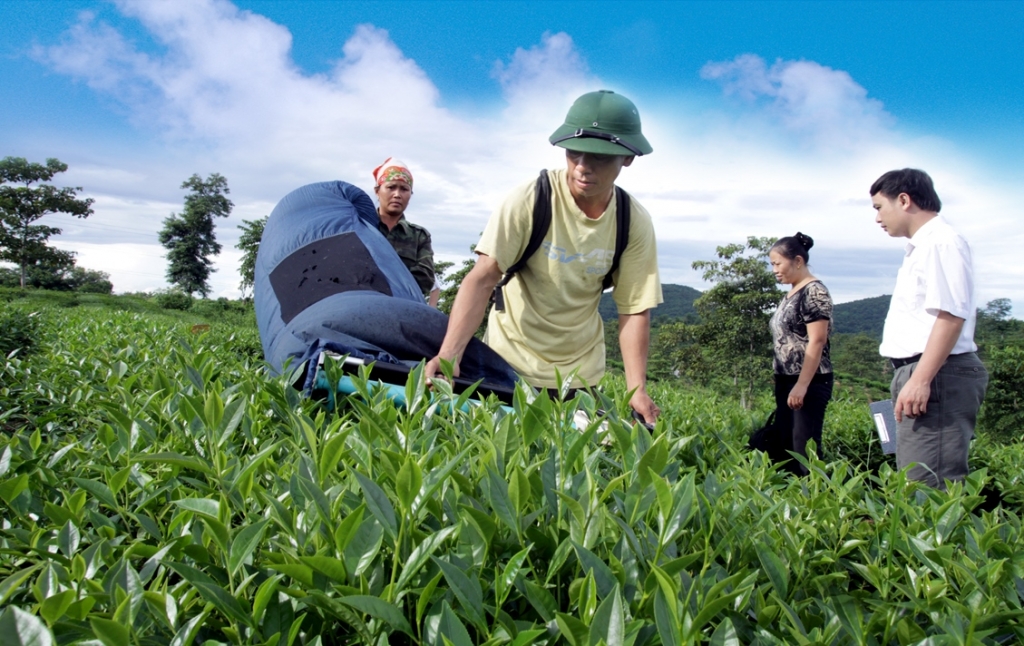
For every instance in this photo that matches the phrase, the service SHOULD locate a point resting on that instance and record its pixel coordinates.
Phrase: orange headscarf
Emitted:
(392, 170)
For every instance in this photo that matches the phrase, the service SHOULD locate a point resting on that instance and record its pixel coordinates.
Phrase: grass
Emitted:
(160, 487)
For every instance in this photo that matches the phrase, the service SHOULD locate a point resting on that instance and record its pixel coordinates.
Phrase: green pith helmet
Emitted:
(602, 122)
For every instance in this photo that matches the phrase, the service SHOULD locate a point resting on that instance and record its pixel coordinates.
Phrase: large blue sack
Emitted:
(327, 280)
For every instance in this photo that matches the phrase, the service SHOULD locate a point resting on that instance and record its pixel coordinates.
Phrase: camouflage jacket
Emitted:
(412, 242)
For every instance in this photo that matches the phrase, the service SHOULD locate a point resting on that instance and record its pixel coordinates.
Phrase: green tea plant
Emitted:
(19, 330)
(170, 491)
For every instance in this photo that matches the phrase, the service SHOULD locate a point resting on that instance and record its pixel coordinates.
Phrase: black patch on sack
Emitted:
(324, 268)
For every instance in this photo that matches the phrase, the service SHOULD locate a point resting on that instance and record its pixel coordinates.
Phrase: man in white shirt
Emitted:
(938, 381)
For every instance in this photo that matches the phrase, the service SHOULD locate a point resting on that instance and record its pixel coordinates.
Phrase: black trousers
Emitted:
(805, 423)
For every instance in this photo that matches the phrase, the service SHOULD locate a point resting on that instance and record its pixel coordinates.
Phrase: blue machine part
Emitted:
(326, 279)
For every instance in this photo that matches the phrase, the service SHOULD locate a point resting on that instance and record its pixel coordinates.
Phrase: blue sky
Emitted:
(765, 117)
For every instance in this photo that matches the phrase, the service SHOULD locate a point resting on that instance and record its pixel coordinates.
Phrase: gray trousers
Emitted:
(937, 442)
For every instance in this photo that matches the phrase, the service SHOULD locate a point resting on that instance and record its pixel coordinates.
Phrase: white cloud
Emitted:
(219, 90)
(804, 96)
(553, 69)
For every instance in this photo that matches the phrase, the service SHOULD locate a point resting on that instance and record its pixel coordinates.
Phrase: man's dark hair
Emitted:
(915, 183)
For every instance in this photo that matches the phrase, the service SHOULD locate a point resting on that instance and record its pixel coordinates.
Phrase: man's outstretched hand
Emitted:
(433, 369)
(642, 403)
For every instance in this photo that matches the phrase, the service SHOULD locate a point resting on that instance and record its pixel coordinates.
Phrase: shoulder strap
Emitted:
(541, 224)
(622, 215)
(539, 228)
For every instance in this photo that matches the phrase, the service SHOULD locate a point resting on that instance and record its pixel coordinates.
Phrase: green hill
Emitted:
(678, 303)
(865, 316)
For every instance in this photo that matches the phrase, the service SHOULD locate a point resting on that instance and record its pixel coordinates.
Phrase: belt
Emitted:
(899, 363)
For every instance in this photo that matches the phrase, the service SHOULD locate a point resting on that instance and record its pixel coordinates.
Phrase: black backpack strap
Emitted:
(622, 215)
(541, 224)
(539, 228)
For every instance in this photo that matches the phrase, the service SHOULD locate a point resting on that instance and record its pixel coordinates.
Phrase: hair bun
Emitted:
(804, 240)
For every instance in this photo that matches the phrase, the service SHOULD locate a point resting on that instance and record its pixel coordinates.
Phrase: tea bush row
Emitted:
(159, 487)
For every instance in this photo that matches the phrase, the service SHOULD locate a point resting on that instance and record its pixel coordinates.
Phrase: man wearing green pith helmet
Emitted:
(550, 320)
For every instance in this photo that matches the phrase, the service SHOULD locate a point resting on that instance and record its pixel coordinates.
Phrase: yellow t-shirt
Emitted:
(551, 319)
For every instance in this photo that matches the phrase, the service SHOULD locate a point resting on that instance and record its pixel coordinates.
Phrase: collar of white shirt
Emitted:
(922, 234)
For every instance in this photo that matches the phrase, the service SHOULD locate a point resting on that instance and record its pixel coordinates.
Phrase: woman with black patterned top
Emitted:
(800, 329)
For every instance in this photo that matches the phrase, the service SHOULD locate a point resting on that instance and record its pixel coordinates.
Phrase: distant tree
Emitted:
(677, 353)
(859, 367)
(995, 329)
(441, 267)
(21, 204)
(56, 270)
(998, 309)
(90, 281)
(734, 314)
(1002, 414)
(451, 284)
(48, 269)
(249, 245)
(189, 237)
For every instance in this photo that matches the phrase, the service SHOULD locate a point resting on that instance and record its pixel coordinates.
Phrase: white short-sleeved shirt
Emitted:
(551, 317)
(937, 275)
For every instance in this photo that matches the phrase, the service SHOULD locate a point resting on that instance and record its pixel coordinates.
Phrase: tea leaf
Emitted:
(163, 607)
(603, 575)
(609, 623)
(347, 528)
(512, 569)
(541, 600)
(233, 412)
(426, 595)
(328, 566)
(436, 477)
(53, 608)
(22, 629)
(301, 573)
(202, 506)
(666, 618)
(408, 483)
(244, 544)
(419, 556)
(172, 458)
(213, 593)
(527, 637)
(379, 609)
(363, 546)
(482, 521)
(255, 462)
(379, 505)
(68, 538)
(653, 461)
(497, 496)
(98, 490)
(186, 635)
(54, 459)
(451, 628)
(725, 634)
(467, 590)
(331, 455)
(110, 632)
(12, 488)
(575, 631)
(775, 570)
